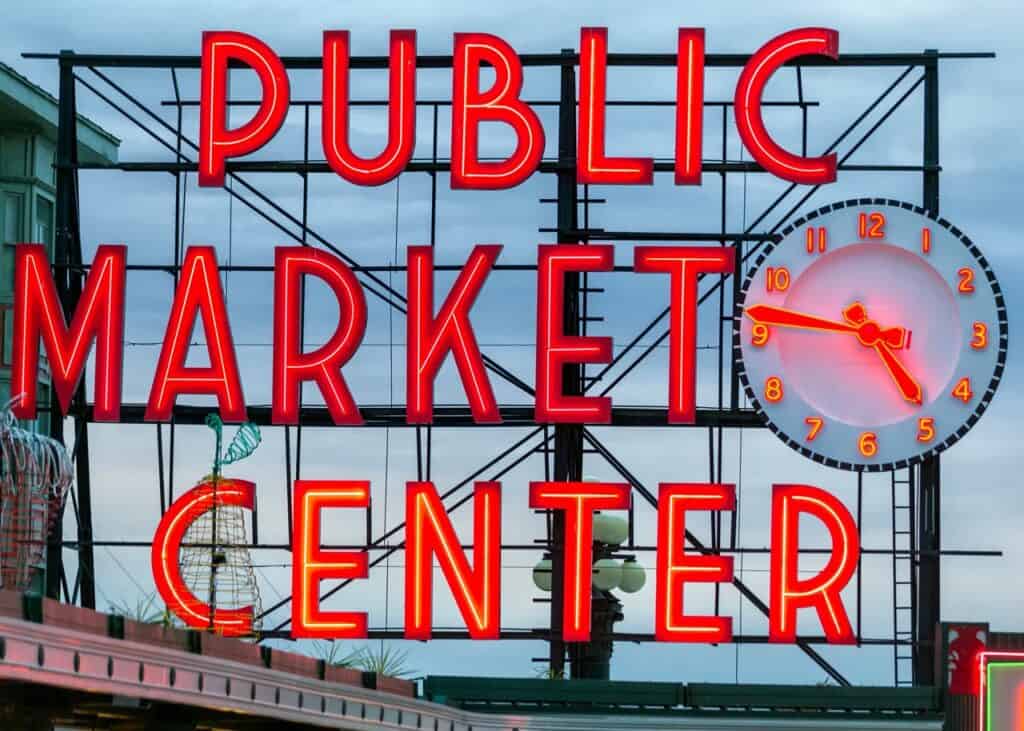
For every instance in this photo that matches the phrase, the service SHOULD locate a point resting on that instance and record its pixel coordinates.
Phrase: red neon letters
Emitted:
(217, 143)
(199, 293)
(689, 105)
(500, 103)
(555, 348)
(291, 366)
(311, 564)
(429, 533)
(684, 264)
(676, 567)
(38, 315)
(231, 622)
(430, 536)
(822, 592)
(592, 165)
(401, 110)
(430, 339)
(770, 57)
(579, 500)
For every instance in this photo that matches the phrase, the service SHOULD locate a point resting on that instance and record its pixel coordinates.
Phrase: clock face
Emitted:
(870, 335)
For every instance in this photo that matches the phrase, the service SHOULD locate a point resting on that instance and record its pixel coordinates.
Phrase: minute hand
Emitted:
(781, 317)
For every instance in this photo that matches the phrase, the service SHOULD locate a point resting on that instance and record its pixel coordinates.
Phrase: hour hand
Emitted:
(908, 386)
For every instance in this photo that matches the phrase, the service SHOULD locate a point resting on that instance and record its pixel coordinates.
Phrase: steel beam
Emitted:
(929, 497)
(419, 165)
(570, 59)
(568, 437)
(68, 250)
(454, 416)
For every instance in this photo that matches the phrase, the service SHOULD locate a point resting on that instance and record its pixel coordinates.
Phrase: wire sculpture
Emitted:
(244, 443)
(35, 475)
(214, 559)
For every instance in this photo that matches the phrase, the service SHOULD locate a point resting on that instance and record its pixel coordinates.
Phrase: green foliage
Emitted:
(546, 672)
(382, 659)
(335, 655)
(385, 660)
(146, 610)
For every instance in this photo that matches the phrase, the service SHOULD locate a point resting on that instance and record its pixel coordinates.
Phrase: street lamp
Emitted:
(542, 574)
(634, 576)
(593, 659)
(610, 530)
(607, 574)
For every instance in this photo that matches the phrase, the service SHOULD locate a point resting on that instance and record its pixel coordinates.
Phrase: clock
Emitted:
(870, 334)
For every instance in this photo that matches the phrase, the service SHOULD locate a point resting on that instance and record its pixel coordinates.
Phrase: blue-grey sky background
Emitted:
(981, 102)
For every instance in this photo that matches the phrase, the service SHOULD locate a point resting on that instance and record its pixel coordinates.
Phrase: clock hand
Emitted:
(870, 334)
(781, 317)
(857, 323)
(904, 381)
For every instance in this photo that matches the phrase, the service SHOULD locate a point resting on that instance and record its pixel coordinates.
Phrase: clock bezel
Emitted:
(983, 402)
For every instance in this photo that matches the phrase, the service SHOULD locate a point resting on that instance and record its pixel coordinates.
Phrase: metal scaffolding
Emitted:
(562, 448)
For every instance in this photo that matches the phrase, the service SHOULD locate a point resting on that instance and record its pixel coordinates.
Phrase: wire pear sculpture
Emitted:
(35, 475)
(214, 559)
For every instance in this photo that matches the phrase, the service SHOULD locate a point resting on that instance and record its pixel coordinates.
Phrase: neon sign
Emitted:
(476, 588)
(500, 103)
(819, 288)
(200, 298)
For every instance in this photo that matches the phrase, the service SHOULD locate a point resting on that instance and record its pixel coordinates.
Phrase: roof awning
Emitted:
(23, 102)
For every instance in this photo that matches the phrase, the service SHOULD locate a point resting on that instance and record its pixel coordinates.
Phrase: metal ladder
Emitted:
(904, 576)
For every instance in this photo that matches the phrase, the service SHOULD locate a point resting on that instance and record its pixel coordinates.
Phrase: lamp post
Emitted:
(593, 659)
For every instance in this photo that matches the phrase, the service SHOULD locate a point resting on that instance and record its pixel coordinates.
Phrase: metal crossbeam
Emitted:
(569, 440)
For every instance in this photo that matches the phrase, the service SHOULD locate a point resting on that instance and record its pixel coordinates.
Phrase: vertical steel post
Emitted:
(68, 250)
(929, 503)
(568, 437)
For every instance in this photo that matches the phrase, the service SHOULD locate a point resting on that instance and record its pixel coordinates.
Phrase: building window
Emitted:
(6, 326)
(44, 223)
(12, 219)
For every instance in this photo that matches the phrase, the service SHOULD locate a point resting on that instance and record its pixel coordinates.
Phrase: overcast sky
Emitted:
(981, 103)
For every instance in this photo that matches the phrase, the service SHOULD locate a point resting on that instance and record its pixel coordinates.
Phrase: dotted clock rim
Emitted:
(983, 402)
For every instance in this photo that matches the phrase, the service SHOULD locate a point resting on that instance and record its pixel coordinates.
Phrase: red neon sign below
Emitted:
(821, 592)
(476, 586)
(676, 566)
(194, 612)
(312, 564)
(429, 534)
(578, 500)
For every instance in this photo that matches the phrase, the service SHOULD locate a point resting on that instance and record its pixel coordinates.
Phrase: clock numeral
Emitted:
(980, 339)
(926, 241)
(925, 429)
(815, 423)
(966, 285)
(777, 279)
(871, 225)
(868, 444)
(773, 390)
(962, 390)
(759, 334)
(817, 239)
